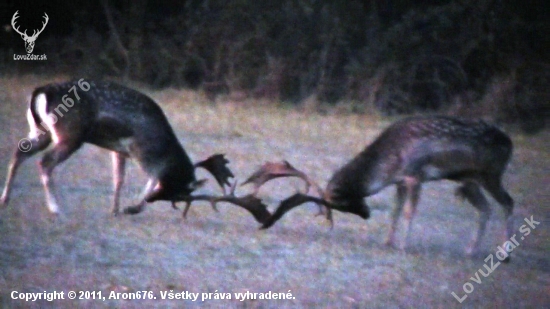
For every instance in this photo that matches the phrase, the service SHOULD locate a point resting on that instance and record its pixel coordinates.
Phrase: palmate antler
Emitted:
(272, 170)
(294, 201)
(249, 202)
(217, 166)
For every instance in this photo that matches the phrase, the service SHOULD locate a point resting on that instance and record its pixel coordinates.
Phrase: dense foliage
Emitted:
(463, 56)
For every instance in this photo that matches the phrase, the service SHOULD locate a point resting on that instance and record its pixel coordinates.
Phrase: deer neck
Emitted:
(177, 169)
(370, 171)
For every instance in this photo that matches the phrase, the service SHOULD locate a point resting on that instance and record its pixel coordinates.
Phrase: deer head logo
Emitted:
(29, 40)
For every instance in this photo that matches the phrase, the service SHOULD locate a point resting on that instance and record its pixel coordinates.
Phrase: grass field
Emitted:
(218, 253)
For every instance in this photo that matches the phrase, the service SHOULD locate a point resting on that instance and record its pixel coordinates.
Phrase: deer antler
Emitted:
(272, 170)
(217, 166)
(249, 202)
(16, 29)
(34, 33)
(293, 201)
(44, 23)
(212, 199)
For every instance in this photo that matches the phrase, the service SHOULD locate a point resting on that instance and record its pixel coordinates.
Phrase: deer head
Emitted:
(29, 40)
(334, 197)
(217, 166)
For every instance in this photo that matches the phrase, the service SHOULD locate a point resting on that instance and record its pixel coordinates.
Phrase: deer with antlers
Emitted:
(408, 153)
(130, 125)
(29, 40)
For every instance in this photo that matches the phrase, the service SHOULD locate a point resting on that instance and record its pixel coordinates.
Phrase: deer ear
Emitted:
(197, 184)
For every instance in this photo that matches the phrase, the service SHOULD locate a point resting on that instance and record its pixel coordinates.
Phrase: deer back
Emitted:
(116, 118)
(425, 148)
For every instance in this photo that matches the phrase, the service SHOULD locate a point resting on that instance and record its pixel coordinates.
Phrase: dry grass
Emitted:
(344, 267)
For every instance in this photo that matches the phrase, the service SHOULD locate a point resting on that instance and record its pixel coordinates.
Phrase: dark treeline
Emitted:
(466, 56)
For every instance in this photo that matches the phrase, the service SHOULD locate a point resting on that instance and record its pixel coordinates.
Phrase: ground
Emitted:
(209, 252)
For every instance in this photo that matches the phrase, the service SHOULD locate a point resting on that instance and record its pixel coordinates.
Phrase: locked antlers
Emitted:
(294, 201)
(217, 166)
(272, 170)
(249, 202)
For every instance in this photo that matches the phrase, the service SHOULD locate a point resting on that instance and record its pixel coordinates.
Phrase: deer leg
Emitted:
(494, 186)
(412, 186)
(149, 187)
(119, 168)
(19, 156)
(186, 209)
(473, 194)
(400, 200)
(50, 160)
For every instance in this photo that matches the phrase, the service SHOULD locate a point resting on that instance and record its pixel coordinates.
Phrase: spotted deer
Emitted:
(130, 125)
(408, 153)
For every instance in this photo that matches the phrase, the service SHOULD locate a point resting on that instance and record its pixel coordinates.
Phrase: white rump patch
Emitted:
(152, 184)
(48, 120)
(33, 129)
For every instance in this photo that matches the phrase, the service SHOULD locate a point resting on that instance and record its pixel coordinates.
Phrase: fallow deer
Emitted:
(408, 153)
(131, 125)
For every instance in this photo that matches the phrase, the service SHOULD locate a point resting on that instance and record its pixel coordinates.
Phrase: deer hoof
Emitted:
(389, 243)
(57, 217)
(473, 248)
(470, 251)
(4, 202)
(133, 210)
